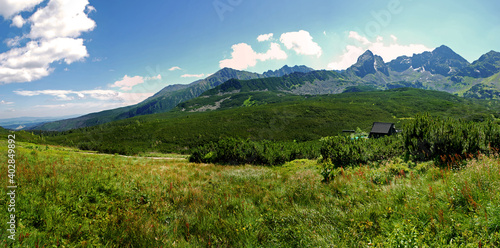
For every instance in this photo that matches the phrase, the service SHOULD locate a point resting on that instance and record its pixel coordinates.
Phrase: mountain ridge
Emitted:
(441, 69)
(164, 100)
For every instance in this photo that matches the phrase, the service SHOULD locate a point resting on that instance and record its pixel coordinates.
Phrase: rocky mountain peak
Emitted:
(368, 63)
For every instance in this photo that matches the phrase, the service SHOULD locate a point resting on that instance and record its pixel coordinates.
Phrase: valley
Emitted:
(441, 70)
(262, 160)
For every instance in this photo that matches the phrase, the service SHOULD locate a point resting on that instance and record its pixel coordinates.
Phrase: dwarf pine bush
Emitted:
(430, 138)
(235, 151)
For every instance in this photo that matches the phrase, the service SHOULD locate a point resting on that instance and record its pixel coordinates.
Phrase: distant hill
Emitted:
(292, 117)
(28, 122)
(3, 130)
(163, 101)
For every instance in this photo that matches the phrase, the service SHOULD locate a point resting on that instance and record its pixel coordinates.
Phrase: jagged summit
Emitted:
(442, 60)
(368, 63)
(285, 70)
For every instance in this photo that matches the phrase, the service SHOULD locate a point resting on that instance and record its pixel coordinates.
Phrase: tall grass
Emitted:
(70, 199)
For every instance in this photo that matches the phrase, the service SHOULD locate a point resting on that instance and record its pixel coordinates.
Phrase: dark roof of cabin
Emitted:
(381, 127)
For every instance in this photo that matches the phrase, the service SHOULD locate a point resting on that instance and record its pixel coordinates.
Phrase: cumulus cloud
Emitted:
(193, 75)
(61, 18)
(265, 37)
(387, 50)
(243, 56)
(9, 8)
(53, 37)
(301, 42)
(18, 21)
(127, 82)
(32, 62)
(175, 68)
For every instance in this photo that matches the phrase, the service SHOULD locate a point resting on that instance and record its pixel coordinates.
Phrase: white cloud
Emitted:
(13, 42)
(61, 18)
(32, 62)
(243, 56)
(193, 75)
(388, 51)
(53, 37)
(127, 82)
(90, 9)
(18, 21)
(102, 95)
(301, 42)
(81, 108)
(9, 8)
(358, 37)
(347, 59)
(175, 68)
(265, 37)
(3, 102)
(274, 52)
(158, 77)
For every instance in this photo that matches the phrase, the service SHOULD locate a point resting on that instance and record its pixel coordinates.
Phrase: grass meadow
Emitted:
(68, 198)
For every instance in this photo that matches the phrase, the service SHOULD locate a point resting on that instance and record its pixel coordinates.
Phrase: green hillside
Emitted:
(303, 119)
(488, 88)
(3, 131)
(164, 100)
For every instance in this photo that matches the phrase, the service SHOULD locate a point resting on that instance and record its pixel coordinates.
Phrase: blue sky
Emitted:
(67, 57)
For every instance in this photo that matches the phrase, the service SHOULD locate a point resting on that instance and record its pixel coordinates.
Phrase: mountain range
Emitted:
(442, 70)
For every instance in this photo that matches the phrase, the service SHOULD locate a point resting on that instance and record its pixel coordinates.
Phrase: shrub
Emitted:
(235, 151)
(448, 140)
(341, 151)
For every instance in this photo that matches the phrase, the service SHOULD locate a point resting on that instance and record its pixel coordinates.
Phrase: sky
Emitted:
(74, 57)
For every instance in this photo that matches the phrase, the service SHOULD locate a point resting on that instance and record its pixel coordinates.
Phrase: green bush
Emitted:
(341, 151)
(448, 140)
(235, 151)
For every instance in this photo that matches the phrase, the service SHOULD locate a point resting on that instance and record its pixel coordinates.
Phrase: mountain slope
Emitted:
(488, 88)
(305, 118)
(486, 66)
(237, 93)
(164, 100)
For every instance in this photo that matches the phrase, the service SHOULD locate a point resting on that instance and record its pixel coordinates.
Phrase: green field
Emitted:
(68, 198)
(271, 172)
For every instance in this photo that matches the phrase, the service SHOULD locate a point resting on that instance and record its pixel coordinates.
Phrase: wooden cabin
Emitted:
(380, 129)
